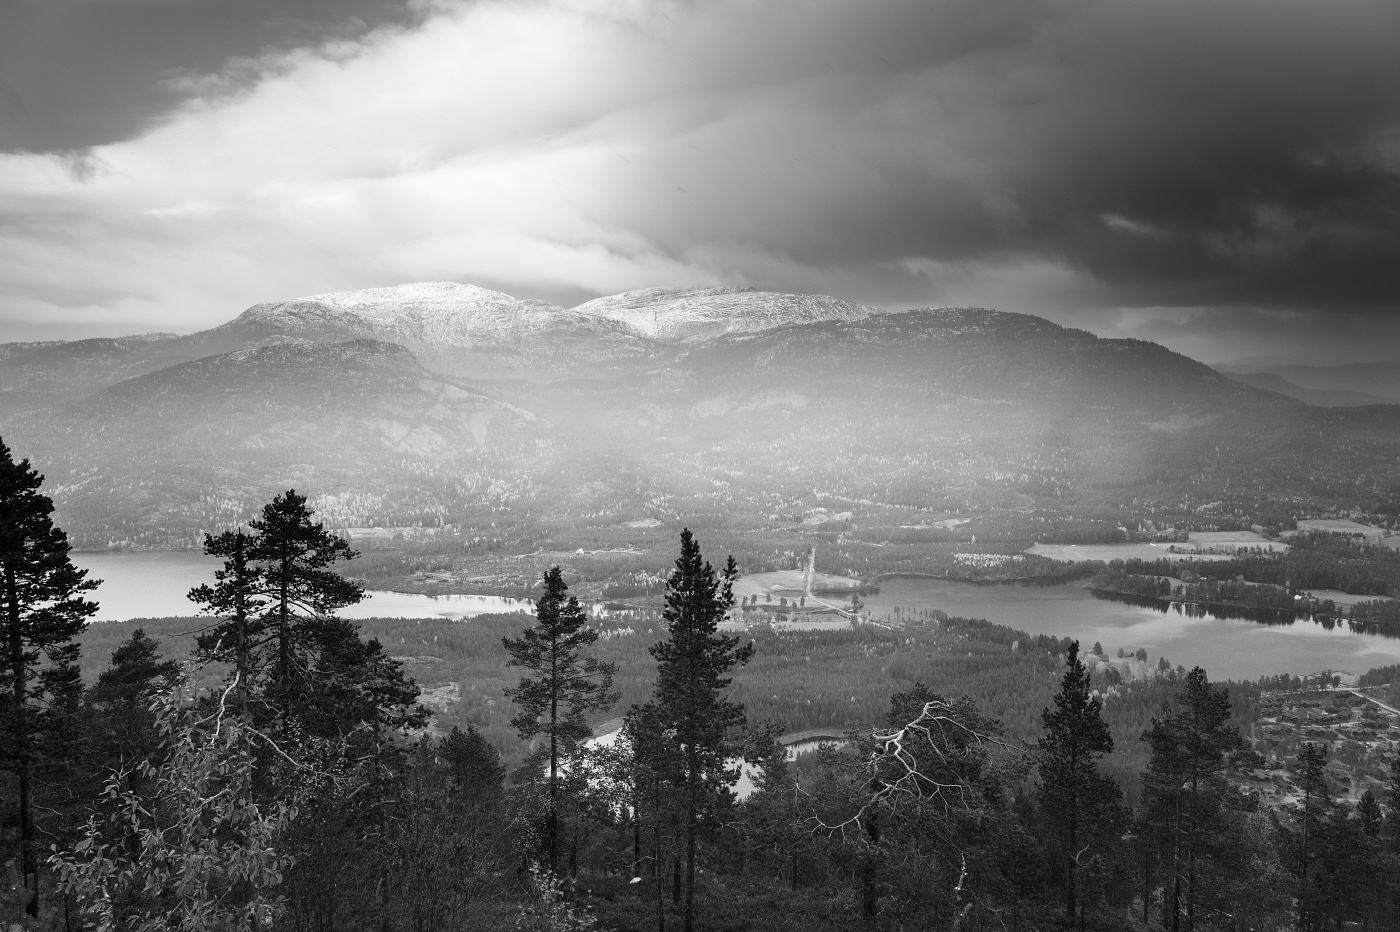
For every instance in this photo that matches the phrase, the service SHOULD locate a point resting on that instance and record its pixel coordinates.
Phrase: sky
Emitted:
(1220, 176)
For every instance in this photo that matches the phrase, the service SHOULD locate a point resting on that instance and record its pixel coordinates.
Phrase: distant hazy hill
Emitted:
(445, 404)
(1375, 380)
(170, 452)
(1321, 397)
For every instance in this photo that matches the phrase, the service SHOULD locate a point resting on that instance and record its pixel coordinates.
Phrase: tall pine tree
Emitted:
(1081, 804)
(692, 667)
(1185, 794)
(42, 610)
(295, 557)
(292, 660)
(238, 596)
(561, 687)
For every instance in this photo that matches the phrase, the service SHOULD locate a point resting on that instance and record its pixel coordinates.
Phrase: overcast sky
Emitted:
(1222, 176)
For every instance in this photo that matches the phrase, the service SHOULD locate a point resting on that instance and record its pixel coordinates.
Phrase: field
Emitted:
(1073, 553)
(1200, 545)
(1341, 526)
(1233, 540)
(1345, 599)
(789, 583)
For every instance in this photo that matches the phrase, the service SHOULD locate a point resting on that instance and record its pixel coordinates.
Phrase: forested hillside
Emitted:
(895, 420)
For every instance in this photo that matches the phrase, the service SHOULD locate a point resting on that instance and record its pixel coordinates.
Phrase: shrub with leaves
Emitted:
(197, 853)
(547, 909)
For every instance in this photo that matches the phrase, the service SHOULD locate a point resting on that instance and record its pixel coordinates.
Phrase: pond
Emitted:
(1228, 648)
(153, 584)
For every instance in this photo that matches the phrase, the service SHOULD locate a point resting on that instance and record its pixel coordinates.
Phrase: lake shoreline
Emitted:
(1054, 580)
(1239, 608)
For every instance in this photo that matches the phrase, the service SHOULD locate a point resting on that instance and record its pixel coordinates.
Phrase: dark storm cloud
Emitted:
(1184, 170)
(77, 73)
(1184, 154)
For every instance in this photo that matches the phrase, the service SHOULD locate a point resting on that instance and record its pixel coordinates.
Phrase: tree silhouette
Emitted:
(560, 688)
(236, 595)
(1184, 790)
(1078, 801)
(295, 556)
(293, 661)
(43, 611)
(692, 664)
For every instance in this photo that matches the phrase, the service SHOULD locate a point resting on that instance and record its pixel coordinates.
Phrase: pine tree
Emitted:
(1077, 800)
(692, 664)
(656, 765)
(136, 671)
(294, 663)
(294, 556)
(473, 764)
(1185, 791)
(237, 596)
(560, 689)
(43, 611)
(121, 724)
(1317, 805)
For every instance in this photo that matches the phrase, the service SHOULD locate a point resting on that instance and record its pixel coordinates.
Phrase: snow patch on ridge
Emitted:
(428, 314)
(453, 315)
(692, 314)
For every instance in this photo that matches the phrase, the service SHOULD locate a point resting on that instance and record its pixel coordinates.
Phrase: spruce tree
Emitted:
(692, 664)
(560, 688)
(42, 610)
(1078, 801)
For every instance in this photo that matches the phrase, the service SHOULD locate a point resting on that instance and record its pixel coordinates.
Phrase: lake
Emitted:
(153, 584)
(1228, 648)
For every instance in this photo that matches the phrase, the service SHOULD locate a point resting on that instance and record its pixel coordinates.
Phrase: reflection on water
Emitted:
(155, 585)
(1229, 645)
(379, 604)
(1257, 615)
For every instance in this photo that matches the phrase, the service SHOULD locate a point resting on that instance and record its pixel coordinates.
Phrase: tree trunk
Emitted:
(1070, 891)
(1146, 880)
(1191, 859)
(656, 873)
(691, 831)
(552, 819)
(29, 856)
(240, 620)
(870, 899)
(284, 636)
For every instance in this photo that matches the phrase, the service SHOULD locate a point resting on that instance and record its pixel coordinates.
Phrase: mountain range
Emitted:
(453, 407)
